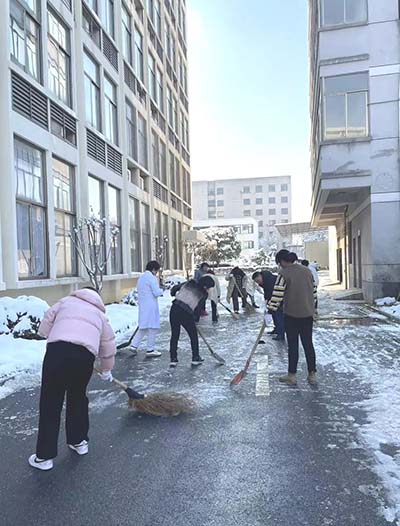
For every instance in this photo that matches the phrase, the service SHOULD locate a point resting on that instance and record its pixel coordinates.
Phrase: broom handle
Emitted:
(114, 381)
(240, 292)
(228, 309)
(205, 341)
(253, 350)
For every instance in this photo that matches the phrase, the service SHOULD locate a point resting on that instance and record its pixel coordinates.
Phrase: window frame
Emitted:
(96, 85)
(110, 111)
(34, 17)
(324, 25)
(65, 51)
(113, 270)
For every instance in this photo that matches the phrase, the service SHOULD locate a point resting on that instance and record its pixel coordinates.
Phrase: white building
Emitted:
(94, 112)
(355, 85)
(246, 230)
(268, 200)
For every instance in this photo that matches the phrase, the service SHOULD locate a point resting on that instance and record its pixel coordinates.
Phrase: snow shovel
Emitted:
(248, 308)
(220, 360)
(127, 344)
(239, 377)
(156, 404)
(233, 314)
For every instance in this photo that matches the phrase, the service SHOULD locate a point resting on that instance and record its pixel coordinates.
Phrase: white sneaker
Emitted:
(133, 350)
(153, 354)
(81, 449)
(38, 463)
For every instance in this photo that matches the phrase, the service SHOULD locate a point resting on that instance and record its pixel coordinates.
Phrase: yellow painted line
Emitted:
(262, 378)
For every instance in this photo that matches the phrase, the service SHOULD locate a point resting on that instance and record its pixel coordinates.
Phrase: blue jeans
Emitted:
(279, 322)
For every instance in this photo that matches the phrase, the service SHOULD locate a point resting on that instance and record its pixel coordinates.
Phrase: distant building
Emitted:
(245, 228)
(267, 200)
(355, 138)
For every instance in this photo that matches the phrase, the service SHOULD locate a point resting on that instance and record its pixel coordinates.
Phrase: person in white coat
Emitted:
(149, 315)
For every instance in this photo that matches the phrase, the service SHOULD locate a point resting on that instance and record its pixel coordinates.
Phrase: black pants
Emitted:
(67, 368)
(302, 327)
(178, 318)
(214, 311)
(235, 298)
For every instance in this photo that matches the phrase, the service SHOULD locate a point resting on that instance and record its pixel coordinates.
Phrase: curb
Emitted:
(389, 316)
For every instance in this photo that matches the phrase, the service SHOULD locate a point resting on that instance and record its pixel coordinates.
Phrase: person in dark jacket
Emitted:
(203, 269)
(266, 280)
(237, 288)
(189, 297)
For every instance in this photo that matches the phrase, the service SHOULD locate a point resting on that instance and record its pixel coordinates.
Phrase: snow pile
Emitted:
(171, 281)
(131, 298)
(21, 316)
(123, 318)
(385, 302)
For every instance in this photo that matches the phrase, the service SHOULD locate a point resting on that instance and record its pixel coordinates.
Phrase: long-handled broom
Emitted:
(127, 344)
(233, 314)
(248, 308)
(156, 404)
(219, 359)
(239, 377)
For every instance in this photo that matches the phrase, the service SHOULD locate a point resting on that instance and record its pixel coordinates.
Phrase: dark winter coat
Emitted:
(189, 296)
(268, 285)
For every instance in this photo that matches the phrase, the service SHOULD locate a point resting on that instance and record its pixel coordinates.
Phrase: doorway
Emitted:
(359, 262)
(339, 254)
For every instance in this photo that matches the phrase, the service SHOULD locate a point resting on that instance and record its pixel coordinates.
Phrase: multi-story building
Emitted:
(94, 110)
(355, 85)
(246, 230)
(268, 200)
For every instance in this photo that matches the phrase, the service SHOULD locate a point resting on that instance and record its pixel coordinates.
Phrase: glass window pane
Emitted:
(38, 236)
(335, 116)
(95, 190)
(357, 114)
(113, 205)
(63, 186)
(356, 11)
(28, 170)
(23, 241)
(333, 12)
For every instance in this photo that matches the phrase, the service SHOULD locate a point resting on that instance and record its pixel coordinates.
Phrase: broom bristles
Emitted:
(164, 404)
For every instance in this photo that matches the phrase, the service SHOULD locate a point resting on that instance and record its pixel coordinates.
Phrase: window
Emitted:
(107, 16)
(220, 213)
(248, 229)
(259, 212)
(246, 189)
(160, 90)
(25, 36)
(343, 12)
(246, 202)
(170, 45)
(139, 67)
(183, 73)
(90, 25)
(220, 191)
(284, 188)
(272, 222)
(170, 109)
(110, 111)
(157, 17)
(272, 211)
(261, 223)
(64, 212)
(284, 199)
(96, 197)
(59, 59)
(163, 162)
(185, 131)
(212, 203)
(284, 211)
(246, 213)
(259, 189)
(114, 215)
(134, 234)
(92, 91)
(345, 106)
(259, 201)
(220, 203)
(248, 244)
(131, 131)
(271, 188)
(155, 155)
(271, 200)
(127, 35)
(93, 5)
(175, 115)
(142, 141)
(152, 78)
(145, 229)
(31, 211)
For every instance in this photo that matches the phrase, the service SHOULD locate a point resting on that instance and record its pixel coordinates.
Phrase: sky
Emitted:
(248, 87)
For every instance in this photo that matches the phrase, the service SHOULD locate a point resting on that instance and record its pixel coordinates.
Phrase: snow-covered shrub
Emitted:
(131, 298)
(22, 316)
(171, 281)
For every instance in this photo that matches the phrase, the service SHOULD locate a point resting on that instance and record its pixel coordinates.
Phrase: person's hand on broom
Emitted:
(107, 376)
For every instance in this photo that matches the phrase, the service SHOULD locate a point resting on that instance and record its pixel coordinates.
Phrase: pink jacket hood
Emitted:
(90, 296)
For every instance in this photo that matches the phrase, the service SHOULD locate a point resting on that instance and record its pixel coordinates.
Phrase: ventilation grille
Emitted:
(114, 160)
(110, 51)
(68, 3)
(185, 155)
(29, 102)
(160, 192)
(96, 147)
(187, 211)
(62, 123)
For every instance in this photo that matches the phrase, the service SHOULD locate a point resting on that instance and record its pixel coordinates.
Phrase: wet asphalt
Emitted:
(290, 458)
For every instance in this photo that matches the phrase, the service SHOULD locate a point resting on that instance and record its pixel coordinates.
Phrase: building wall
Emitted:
(135, 169)
(230, 195)
(356, 181)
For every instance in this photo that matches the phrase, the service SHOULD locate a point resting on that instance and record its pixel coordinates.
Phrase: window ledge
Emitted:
(51, 282)
(114, 277)
(2, 285)
(346, 140)
(342, 26)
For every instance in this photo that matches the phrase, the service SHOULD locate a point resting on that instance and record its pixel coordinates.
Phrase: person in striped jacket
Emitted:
(296, 289)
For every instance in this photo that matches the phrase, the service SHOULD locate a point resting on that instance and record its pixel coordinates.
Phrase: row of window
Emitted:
(247, 190)
(32, 217)
(259, 201)
(271, 212)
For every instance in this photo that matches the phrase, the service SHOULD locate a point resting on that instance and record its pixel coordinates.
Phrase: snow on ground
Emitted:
(21, 360)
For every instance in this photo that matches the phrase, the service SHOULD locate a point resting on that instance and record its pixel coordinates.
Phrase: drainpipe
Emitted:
(346, 268)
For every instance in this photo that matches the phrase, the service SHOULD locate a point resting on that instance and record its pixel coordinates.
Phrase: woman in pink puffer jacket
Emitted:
(77, 332)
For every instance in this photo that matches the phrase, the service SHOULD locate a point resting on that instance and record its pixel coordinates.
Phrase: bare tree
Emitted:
(90, 241)
(161, 249)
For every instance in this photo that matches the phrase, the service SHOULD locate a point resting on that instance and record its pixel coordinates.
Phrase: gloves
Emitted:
(107, 376)
(268, 318)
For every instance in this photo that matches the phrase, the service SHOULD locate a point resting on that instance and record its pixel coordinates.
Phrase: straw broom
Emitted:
(233, 314)
(239, 377)
(156, 404)
(248, 308)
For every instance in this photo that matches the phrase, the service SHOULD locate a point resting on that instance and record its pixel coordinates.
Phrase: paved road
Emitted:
(290, 458)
